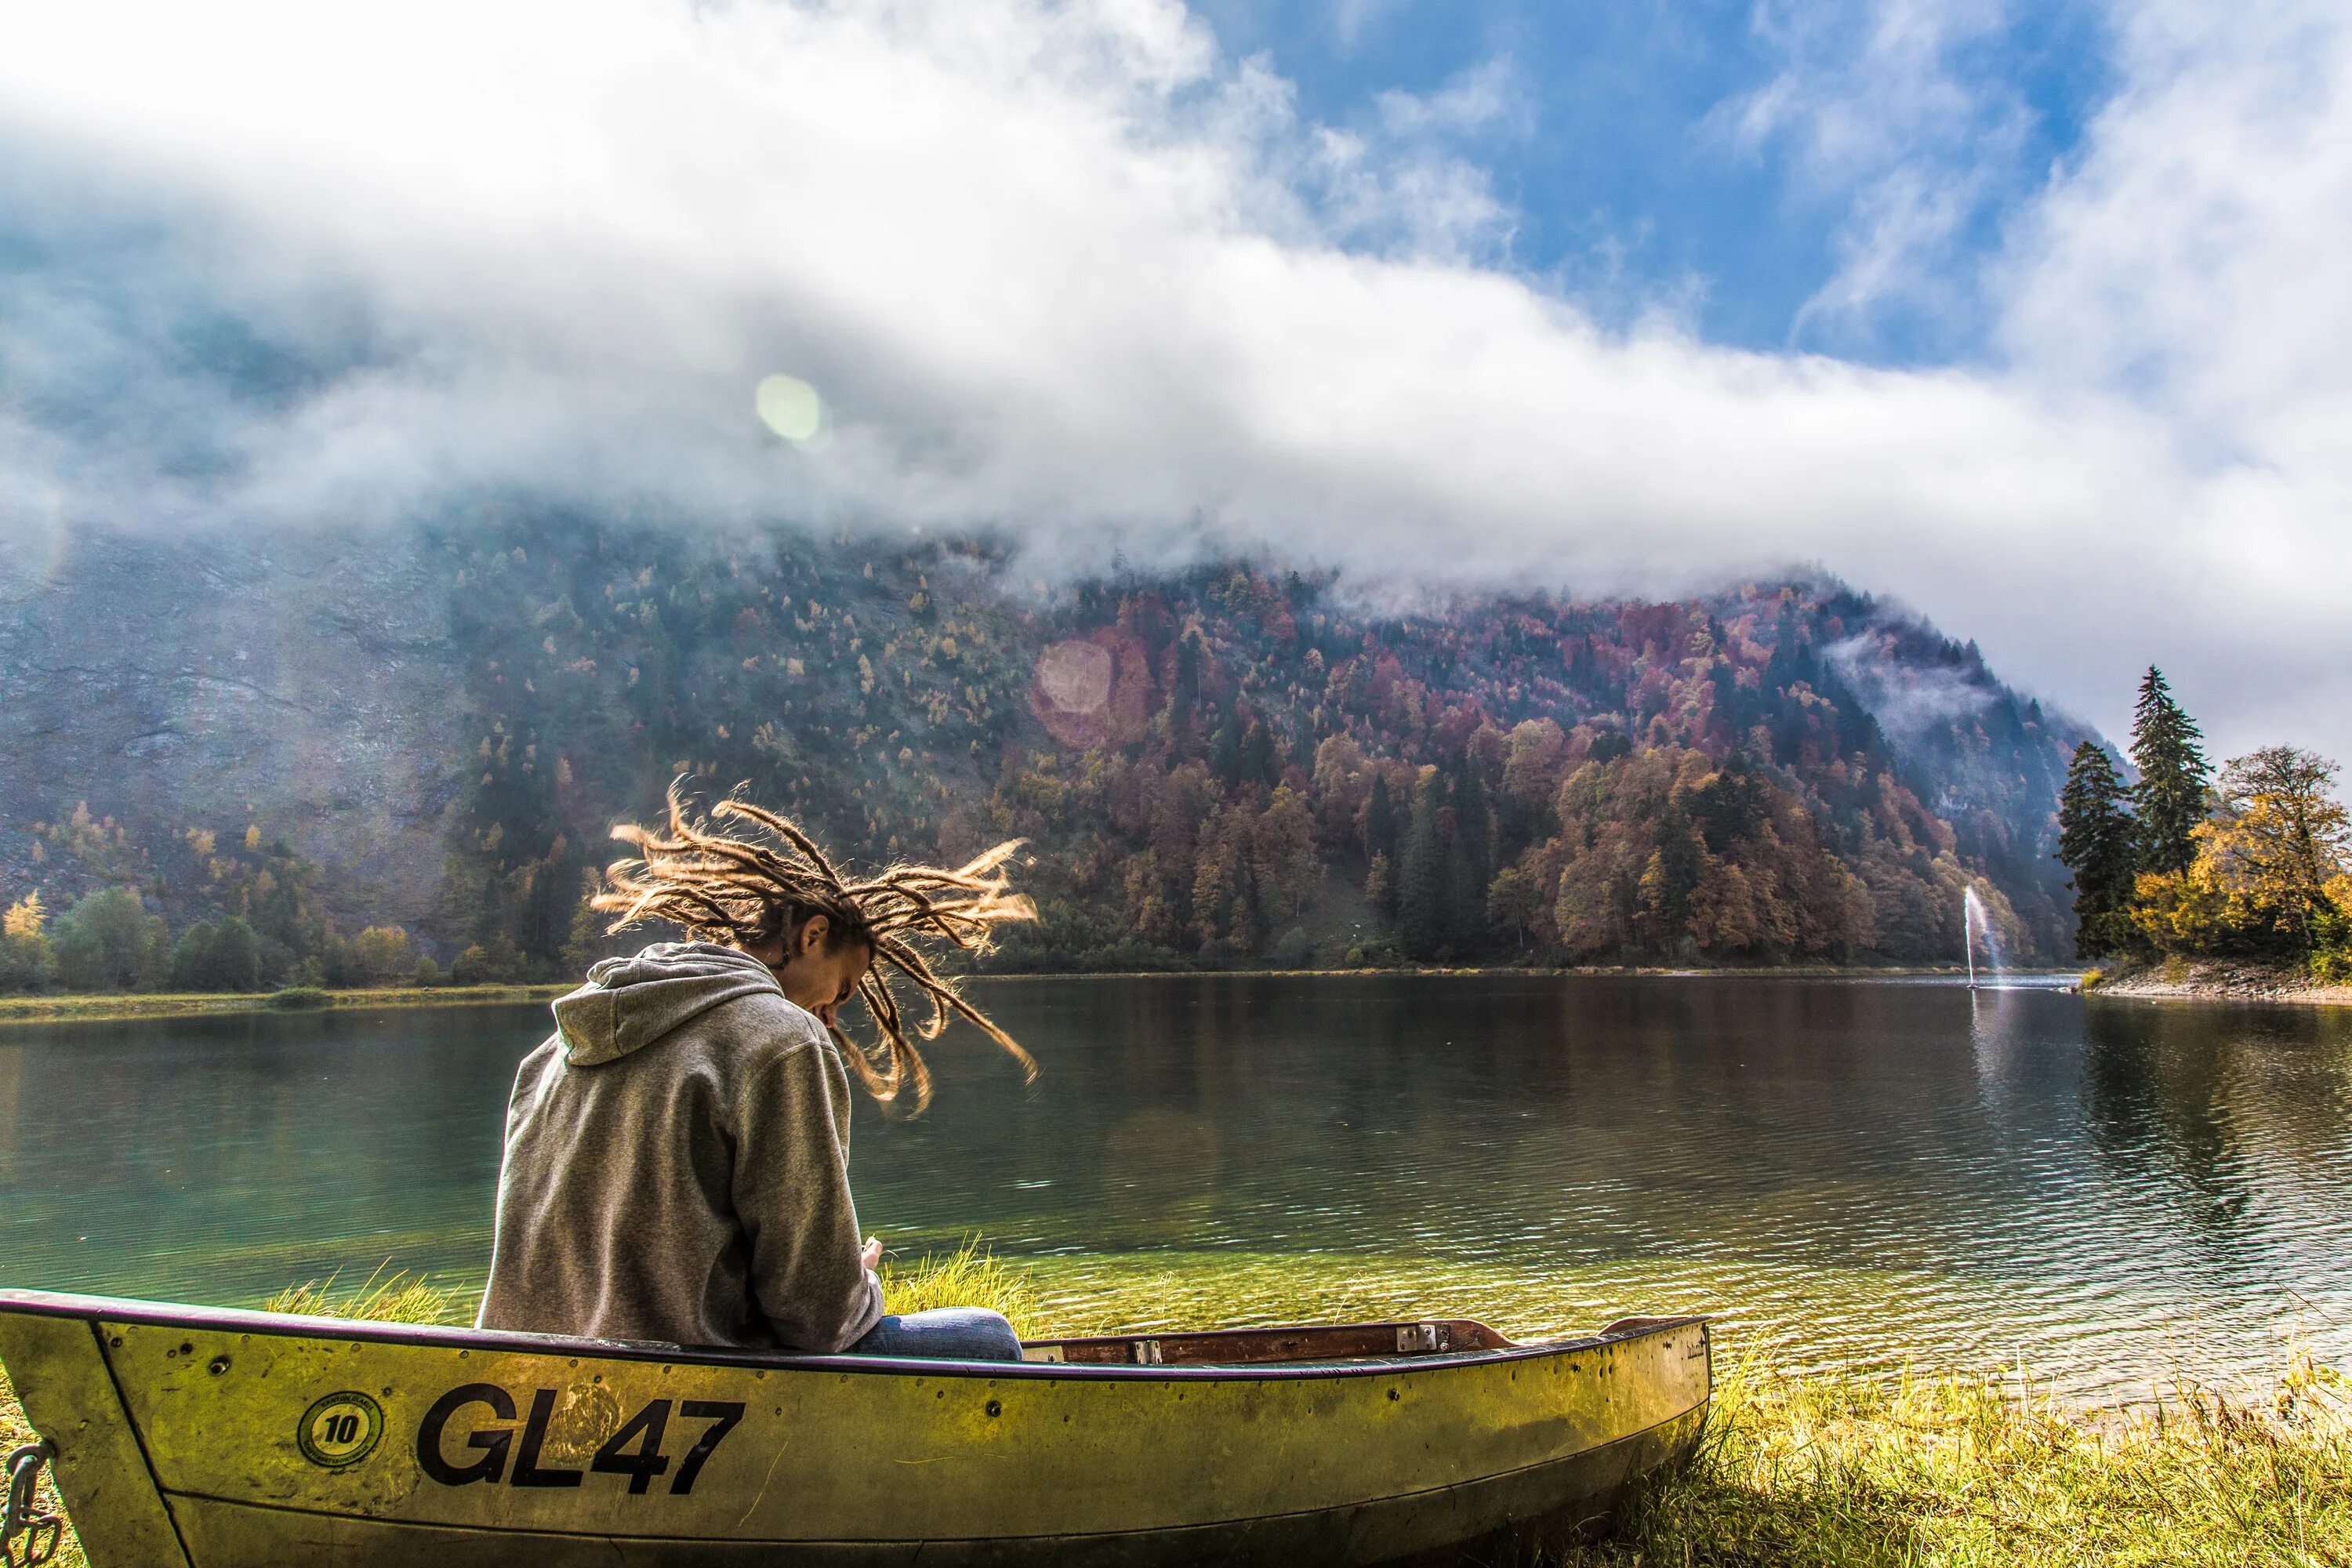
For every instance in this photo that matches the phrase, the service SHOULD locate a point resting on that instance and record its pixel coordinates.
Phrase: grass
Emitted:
(967, 1276)
(1836, 1469)
(15, 1431)
(49, 1009)
(174, 1004)
(395, 1299)
(1850, 1471)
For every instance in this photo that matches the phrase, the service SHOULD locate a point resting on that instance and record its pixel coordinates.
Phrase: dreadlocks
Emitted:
(744, 891)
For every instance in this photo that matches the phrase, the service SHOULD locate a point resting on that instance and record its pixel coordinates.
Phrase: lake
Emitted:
(1860, 1172)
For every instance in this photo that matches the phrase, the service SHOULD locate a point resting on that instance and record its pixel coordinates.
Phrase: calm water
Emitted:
(1861, 1172)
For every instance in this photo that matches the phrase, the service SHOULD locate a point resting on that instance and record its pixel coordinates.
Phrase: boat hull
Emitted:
(213, 1438)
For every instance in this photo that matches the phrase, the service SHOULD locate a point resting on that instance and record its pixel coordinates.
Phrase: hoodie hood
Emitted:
(630, 1002)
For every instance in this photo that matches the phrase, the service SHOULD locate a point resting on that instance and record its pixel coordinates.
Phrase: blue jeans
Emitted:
(943, 1333)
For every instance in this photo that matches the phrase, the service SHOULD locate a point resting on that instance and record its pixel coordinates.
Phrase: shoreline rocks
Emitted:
(2216, 979)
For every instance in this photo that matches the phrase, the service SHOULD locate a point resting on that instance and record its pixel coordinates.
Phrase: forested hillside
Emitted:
(1242, 764)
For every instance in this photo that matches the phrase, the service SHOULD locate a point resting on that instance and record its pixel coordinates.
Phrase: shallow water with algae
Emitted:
(1861, 1172)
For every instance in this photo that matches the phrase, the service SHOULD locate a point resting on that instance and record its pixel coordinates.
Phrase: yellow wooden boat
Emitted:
(196, 1438)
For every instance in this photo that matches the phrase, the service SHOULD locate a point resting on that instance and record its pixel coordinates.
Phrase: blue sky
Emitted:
(1630, 182)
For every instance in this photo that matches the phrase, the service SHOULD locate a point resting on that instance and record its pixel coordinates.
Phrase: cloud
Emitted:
(2192, 260)
(1067, 272)
(1909, 698)
(1352, 19)
(1891, 110)
(1486, 96)
(1400, 185)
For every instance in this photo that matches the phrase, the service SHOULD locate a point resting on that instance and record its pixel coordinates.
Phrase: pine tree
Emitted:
(1184, 692)
(1422, 873)
(1259, 764)
(1472, 865)
(2173, 774)
(1225, 751)
(1380, 847)
(1379, 821)
(2095, 842)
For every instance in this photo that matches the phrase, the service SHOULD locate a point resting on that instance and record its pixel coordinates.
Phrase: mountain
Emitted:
(435, 727)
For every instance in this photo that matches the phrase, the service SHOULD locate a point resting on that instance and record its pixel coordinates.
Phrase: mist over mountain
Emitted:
(435, 726)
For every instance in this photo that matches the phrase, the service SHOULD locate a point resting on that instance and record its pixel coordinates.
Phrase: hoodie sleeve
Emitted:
(792, 1194)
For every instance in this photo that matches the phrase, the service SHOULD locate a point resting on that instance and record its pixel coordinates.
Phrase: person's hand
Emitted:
(871, 1255)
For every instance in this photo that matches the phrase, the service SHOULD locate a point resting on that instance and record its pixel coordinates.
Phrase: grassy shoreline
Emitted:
(105, 1005)
(1963, 1470)
(113, 1006)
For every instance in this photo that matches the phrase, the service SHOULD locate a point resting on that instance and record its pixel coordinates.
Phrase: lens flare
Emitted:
(1094, 691)
(791, 407)
(1075, 676)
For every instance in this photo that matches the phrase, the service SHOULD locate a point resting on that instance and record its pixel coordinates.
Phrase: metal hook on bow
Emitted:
(28, 1537)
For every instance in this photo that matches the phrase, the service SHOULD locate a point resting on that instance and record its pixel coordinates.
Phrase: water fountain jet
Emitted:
(1974, 918)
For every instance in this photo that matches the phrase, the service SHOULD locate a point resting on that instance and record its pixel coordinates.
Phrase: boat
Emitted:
(202, 1437)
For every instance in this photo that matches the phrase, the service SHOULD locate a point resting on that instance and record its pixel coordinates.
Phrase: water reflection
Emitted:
(1863, 1171)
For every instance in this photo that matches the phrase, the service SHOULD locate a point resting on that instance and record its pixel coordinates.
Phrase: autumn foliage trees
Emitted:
(2257, 864)
(1231, 766)
(1238, 766)
(251, 916)
(1663, 802)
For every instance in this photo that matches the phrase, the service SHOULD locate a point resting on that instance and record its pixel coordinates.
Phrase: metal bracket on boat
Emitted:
(1423, 1339)
(1147, 1352)
(28, 1537)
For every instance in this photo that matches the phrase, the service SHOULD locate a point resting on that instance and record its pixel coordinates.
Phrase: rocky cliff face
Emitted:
(304, 683)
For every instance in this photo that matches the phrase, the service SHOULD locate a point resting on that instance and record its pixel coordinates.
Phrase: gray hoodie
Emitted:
(677, 1166)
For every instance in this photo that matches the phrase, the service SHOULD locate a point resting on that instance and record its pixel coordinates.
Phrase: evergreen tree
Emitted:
(2173, 774)
(587, 941)
(1379, 821)
(1473, 861)
(1184, 692)
(1258, 762)
(1380, 847)
(1668, 880)
(1421, 875)
(2096, 843)
(1225, 751)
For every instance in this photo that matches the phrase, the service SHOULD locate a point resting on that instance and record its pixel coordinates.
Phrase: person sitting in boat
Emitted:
(677, 1164)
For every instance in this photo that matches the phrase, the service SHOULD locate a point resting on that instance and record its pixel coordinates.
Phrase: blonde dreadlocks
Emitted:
(748, 891)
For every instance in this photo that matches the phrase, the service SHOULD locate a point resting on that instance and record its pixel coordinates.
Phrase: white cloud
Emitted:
(1063, 270)
(2193, 260)
(1487, 96)
(1887, 110)
(1351, 19)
